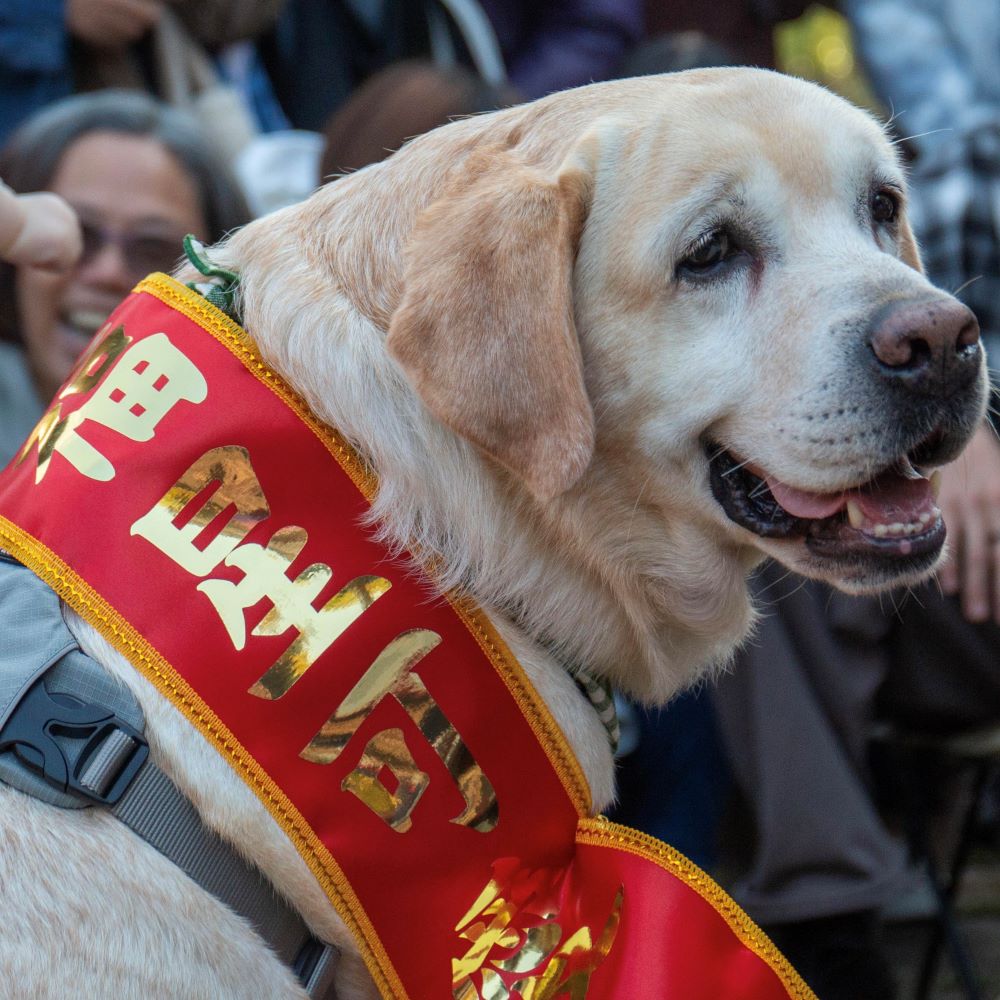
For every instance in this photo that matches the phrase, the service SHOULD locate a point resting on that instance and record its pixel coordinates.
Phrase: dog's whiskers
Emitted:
(774, 583)
(965, 284)
(911, 595)
(784, 597)
(737, 467)
(917, 135)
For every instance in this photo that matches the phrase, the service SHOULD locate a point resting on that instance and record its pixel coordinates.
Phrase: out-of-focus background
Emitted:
(844, 780)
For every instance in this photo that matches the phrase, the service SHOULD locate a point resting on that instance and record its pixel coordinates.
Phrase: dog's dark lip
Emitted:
(747, 501)
(929, 450)
(836, 538)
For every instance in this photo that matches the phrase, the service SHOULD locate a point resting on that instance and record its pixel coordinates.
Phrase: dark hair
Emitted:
(29, 160)
(406, 99)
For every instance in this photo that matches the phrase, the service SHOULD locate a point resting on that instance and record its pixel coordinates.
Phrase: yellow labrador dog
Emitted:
(604, 351)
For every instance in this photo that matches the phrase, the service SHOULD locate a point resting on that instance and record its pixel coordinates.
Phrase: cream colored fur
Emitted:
(492, 317)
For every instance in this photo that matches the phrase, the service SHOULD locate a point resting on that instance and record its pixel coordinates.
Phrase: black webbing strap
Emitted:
(72, 736)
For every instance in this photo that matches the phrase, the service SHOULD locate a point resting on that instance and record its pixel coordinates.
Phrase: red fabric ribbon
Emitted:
(182, 500)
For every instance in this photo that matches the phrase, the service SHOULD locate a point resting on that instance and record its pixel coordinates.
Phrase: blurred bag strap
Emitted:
(476, 32)
(174, 54)
(187, 78)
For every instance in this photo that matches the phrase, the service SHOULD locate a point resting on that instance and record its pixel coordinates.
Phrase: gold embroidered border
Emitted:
(601, 832)
(231, 335)
(120, 633)
(547, 731)
(234, 337)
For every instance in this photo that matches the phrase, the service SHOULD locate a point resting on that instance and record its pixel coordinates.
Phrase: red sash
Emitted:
(182, 499)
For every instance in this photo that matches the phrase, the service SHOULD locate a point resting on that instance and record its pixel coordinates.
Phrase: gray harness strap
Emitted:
(72, 736)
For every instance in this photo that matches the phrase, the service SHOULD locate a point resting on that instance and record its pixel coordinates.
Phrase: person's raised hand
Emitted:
(970, 503)
(111, 24)
(38, 230)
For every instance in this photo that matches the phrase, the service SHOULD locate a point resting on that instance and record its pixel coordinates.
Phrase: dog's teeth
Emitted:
(925, 517)
(896, 528)
(881, 530)
(854, 515)
(936, 484)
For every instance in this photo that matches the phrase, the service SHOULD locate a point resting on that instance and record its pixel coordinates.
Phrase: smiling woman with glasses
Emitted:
(140, 176)
(142, 250)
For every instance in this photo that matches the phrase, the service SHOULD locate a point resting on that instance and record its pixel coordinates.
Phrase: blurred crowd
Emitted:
(151, 119)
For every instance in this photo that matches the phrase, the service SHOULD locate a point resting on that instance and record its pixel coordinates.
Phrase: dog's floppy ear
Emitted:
(485, 330)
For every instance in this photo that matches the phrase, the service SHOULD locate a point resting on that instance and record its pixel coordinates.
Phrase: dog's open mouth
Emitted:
(893, 515)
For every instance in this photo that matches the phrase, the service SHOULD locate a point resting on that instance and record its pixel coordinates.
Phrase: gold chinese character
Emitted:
(265, 569)
(89, 370)
(141, 386)
(236, 488)
(388, 749)
(516, 915)
(392, 674)
(171, 526)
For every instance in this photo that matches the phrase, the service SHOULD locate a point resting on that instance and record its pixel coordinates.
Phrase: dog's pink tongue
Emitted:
(892, 497)
(799, 503)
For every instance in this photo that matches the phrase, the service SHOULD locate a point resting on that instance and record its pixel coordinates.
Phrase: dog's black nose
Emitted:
(930, 347)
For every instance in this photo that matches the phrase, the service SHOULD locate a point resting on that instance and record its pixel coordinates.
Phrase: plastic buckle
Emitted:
(40, 717)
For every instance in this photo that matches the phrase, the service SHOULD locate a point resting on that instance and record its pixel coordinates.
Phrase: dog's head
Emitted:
(639, 335)
(704, 287)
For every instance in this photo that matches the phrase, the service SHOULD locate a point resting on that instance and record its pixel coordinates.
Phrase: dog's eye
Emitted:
(885, 207)
(708, 254)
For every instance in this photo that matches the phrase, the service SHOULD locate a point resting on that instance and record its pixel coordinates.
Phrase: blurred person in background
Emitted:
(563, 43)
(796, 712)
(38, 230)
(52, 48)
(369, 74)
(139, 177)
(388, 87)
(936, 64)
(744, 28)
(321, 51)
(407, 99)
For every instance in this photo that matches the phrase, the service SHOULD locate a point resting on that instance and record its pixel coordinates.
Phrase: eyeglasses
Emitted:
(141, 253)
